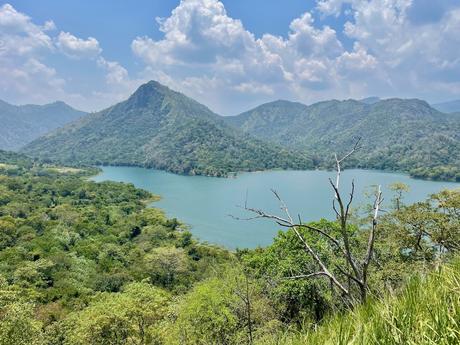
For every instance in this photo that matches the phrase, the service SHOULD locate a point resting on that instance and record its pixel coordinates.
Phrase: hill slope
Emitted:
(157, 127)
(22, 124)
(396, 134)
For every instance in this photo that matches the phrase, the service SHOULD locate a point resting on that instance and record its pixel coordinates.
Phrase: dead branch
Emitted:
(311, 275)
(370, 243)
(359, 269)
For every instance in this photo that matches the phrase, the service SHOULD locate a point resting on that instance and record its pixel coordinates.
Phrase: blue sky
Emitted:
(229, 55)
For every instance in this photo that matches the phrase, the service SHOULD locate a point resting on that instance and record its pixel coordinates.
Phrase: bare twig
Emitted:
(359, 269)
(311, 275)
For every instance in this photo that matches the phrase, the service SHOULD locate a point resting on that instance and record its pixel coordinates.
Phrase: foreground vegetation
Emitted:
(425, 311)
(90, 263)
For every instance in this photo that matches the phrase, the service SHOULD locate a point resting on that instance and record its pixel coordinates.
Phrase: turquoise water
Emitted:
(205, 203)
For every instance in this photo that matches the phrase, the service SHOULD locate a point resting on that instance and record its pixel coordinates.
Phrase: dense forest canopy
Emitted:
(90, 263)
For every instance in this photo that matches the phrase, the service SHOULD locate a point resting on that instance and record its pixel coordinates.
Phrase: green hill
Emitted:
(397, 134)
(160, 128)
(22, 124)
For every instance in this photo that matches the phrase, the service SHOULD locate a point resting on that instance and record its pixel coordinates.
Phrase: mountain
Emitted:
(370, 100)
(22, 124)
(160, 128)
(397, 134)
(448, 107)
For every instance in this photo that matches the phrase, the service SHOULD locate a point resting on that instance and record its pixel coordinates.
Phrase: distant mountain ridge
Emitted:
(160, 128)
(370, 100)
(448, 107)
(397, 134)
(22, 124)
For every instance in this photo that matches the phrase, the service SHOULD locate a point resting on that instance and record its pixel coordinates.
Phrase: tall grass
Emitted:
(426, 311)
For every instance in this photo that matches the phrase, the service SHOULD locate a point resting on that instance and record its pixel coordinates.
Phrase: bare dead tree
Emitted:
(355, 270)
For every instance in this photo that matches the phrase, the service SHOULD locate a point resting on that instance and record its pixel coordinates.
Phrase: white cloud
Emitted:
(416, 58)
(76, 47)
(116, 74)
(19, 36)
(256, 88)
(392, 54)
(357, 60)
(27, 77)
(212, 57)
(24, 75)
(202, 42)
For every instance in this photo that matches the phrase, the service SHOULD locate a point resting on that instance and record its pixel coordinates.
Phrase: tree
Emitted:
(166, 266)
(133, 316)
(399, 188)
(227, 309)
(351, 270)
(17, 323)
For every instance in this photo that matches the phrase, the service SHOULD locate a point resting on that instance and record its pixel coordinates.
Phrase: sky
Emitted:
(230, 55)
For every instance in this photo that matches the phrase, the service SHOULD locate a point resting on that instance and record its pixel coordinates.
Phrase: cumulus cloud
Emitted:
(77, 47)
(19, 36)
(392, 48)
(414, 56)
(26, 76)
(391, 54)
(202, 41)
(22, 43)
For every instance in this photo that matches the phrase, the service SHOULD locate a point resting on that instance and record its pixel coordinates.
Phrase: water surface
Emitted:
(205, 203)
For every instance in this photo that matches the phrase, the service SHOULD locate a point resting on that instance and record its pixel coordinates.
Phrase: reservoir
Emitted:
(207, 204)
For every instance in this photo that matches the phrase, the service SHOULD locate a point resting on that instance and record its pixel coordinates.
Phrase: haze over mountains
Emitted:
(448, 107)
(160, 128)
(22, 124)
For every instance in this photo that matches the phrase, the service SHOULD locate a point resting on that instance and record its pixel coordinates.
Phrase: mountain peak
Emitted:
(152, 86)
(404, 102)
(60, 103)
(370, 100)
(5, 105)
(158, 127)
(146, 93)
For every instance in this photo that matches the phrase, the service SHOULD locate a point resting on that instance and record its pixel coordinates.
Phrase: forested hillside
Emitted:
(159, 128)
(22, 124)
(396, 134)
(89, 263)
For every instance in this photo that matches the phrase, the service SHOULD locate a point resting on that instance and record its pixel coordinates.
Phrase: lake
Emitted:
(206, 203)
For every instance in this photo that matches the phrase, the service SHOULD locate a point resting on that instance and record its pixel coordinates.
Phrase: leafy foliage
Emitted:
(90, 263)
(427, 311)
(87, 262)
